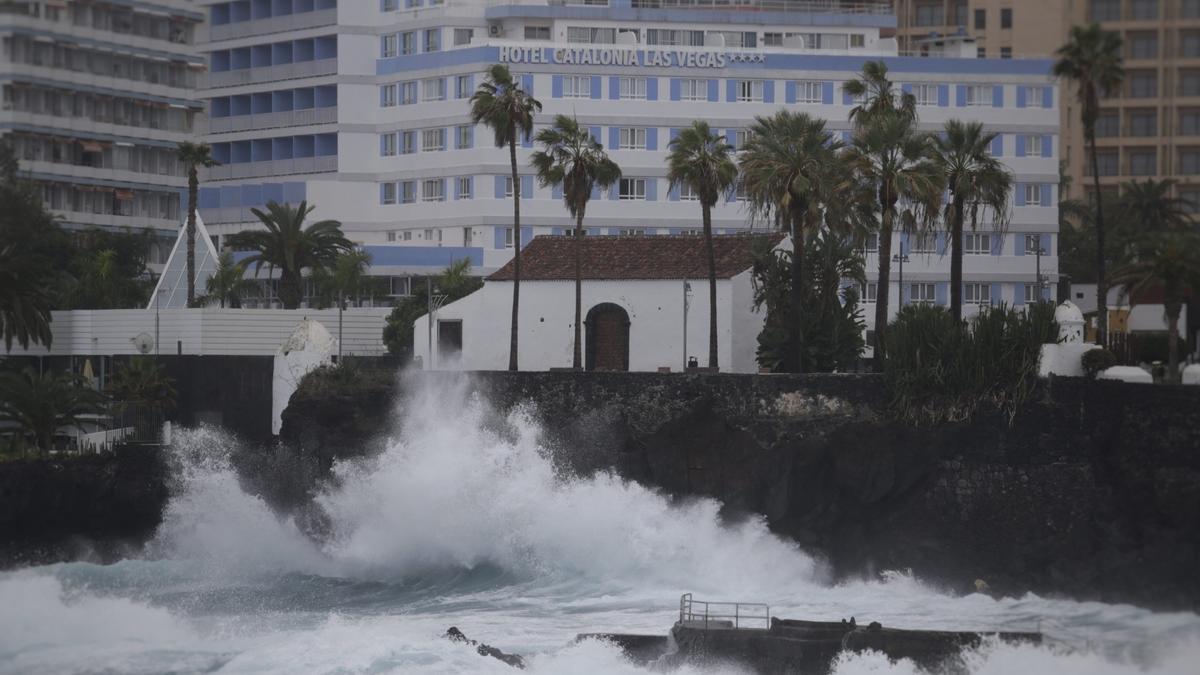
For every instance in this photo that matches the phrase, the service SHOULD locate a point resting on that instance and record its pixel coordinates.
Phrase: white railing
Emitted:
(798, 6)
(273, 120)
(322, 164)
(274, 24)
(723, 615)
(283, 71)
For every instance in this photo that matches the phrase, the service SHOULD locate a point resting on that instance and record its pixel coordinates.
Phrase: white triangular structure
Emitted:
(172, 285)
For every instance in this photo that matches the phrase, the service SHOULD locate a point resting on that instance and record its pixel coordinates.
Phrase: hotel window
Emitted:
(772, 39)
(588, 35)
(464, 187)
(433, 190)
(921, 294)
(468, 236)
(1191, 200)
(633, 231)
(923, 243)
(740, 136)
(577, 86)
(1190, 9)
(463, 36)
(1035, 97)
(926, 94)
(808, 91)
(1006, 17)
(688, 194)
(1105, 10)
(387, 145)
(433, 39)
(428, 234)
(433, 139)
(1189, 122)
(871, 243)
(433, 89)
(979, 294)
(1189, 43)
(1143, 45)
(1031, 294)
(391, 235)
(632, 189)
(1189, 82)
(408, 142)
(388, 195)
(399, 285)
(869, 292)
(508, 187)
(632, 88)
(631, 138)
(1144, 9)
(408, 195)
(1142, 83)
(462, 86)
(388, 49)
(408, 43)
(1143, 162)
(1006, 52)
(977, 244)
(1143, 122)
(463, 136)
(693, 90)
(1189, 161)
(1108, 161)
(537, 32)
(734, 39)
(681, 38)
(979, 95)
(858, 40)
(930, 15)
(750, 90)
(408, 93)
(1033, 145)
(980, 19)
(1033, 194)
(389, 5)
(387, 95)
(1108, 125)
(508, 237)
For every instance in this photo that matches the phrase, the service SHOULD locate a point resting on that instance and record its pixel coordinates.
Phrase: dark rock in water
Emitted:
(453, 634)
(641, 649)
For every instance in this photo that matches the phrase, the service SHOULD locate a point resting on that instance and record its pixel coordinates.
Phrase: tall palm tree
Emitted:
(40, 404)
(345, 277)
(287, 245)
(786, 170)
(24, 301)
(703, 162)
(1092, 59)
(900, 163)
(503, 105)
(570, 157)
(978, 183)
(228, 283)
(193, 156)
(1149, 205)
(1169, 260)
(879, 96)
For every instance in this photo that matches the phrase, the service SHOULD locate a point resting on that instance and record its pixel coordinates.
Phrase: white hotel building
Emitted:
(361, 107)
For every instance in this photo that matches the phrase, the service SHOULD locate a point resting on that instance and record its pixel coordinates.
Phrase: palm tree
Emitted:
(570, 157)
(24, 301)
(346, 277)
(786, 166)
(38, 405)
(228, 283)
(143, 380)
(193, 156)
(287, 245)
(1149, 205)
(703, 162)
(879, 96)
(1092, 59)
(900, 164)
(1169, 260)
(503, 105)
(978, 183)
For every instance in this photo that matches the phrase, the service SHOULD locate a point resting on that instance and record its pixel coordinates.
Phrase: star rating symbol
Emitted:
(741, 57)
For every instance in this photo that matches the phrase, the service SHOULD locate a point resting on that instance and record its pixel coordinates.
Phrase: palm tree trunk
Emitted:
(1173, 308)
(577, 355)
(883, 284)
(193, 190)
(289, 289)
(956, 260)
(516, 303)
(706, 212)
(1101, 282)
(798, 289)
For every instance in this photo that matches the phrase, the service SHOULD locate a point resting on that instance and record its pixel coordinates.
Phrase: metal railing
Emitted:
(723, 615)
(798, 6)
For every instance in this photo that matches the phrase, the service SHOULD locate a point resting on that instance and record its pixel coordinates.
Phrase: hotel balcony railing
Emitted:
(275, 167)
(283, 71)
(274, 24)
(798, 6)
(272, 120)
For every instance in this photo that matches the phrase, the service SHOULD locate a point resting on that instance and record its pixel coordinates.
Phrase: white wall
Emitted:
(547, 317)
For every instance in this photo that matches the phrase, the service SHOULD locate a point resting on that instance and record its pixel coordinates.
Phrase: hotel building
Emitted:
(361, 108)
(96, 96)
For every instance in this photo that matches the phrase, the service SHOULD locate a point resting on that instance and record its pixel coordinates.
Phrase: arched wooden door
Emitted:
(607, 341)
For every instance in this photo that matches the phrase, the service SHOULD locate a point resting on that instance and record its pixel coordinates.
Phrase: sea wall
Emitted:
(1092, 491)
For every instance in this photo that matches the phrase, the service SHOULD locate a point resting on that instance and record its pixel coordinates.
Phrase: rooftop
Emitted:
(552, 257)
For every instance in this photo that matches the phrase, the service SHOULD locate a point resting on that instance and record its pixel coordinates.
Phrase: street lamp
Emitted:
(157, 294)
(900, 258)
(435, 303)
(1037, 250)
(687, 303)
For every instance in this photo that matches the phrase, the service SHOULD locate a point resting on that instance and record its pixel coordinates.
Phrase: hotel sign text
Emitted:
(617, 56)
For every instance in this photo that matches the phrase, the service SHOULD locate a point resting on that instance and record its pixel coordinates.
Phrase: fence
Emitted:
(723, 615)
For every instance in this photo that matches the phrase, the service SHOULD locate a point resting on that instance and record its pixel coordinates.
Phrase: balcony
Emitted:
(273, 120)
(276, 167)
(275, 24)
(283, 71)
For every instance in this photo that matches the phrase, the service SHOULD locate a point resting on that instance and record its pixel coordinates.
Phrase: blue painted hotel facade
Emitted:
(361, 108)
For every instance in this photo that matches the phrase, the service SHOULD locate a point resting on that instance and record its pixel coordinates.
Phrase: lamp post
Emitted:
(687, 302)
(435, 302)
(157, 294)
(900, 258)
(1038, 251)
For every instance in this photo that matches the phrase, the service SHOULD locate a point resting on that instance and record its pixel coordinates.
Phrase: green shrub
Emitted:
(940, 370)
(1097, 360)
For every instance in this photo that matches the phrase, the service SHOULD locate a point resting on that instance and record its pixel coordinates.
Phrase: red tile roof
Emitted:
(552, 257)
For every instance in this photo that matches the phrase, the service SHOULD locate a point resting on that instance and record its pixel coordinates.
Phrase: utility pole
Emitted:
(687, 302)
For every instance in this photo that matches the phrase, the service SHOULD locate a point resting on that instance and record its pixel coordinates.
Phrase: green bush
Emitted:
(940, 370)
(1096, 360)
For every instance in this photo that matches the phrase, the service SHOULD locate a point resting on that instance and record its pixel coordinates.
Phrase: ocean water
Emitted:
(468, 522)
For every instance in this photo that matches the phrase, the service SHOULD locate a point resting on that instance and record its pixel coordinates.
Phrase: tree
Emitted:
(287, 245)
(878, 96)
(1092, 60)
(1151, 207)
(108, 270)
(345, 278)
(454, 282)
(702, 161)
(193, 156)
(503, 105)
(978, 183)
(38, 405)
(787, 166)
(228, 283)
(899, 163)
(143, 380)
(572, 159)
